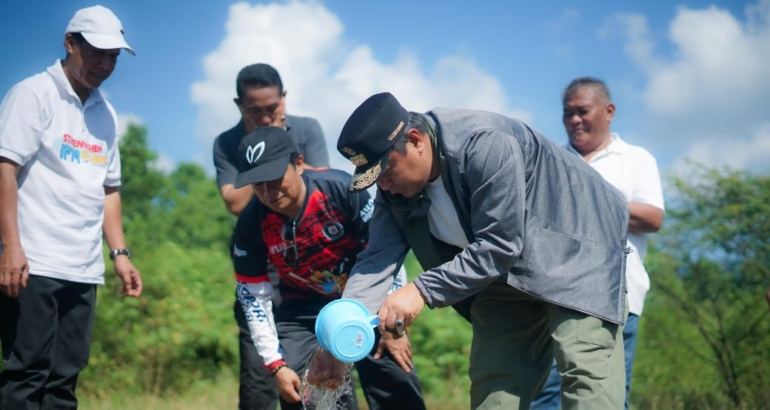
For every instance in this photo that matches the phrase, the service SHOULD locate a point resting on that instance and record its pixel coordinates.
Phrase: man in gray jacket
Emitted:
(526, 241)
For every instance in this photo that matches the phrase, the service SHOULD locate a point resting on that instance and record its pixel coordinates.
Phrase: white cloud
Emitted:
(124, 120)
(327, 77)
(709, 99)
(751, 154)
(633, 27)
(163, 163)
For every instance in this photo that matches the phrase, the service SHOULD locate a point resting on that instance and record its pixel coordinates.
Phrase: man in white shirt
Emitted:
(59, 179)
(588, 111)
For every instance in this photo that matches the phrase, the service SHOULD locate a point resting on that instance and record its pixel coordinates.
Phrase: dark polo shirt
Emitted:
(306, 133)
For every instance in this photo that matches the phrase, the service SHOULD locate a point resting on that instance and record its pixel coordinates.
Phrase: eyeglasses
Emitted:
(290, 254)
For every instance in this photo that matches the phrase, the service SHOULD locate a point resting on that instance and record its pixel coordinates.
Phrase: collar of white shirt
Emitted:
(617, 146)
(56, 71)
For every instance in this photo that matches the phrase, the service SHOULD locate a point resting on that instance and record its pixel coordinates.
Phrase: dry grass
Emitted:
(223, 395)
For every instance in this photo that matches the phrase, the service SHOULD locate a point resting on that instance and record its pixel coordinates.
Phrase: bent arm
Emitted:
(645, 218)
(646, 205)
(496, 182)
(236, 198)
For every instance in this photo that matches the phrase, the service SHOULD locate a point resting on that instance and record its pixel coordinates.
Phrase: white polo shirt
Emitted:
(68, 153)
(634, 172)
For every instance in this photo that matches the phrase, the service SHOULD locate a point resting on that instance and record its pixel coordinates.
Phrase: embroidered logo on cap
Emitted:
(359, 160)
(254, 152)
(365, 179)
(348, 151)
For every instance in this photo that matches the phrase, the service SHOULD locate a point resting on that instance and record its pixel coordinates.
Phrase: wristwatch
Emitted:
(115, 252)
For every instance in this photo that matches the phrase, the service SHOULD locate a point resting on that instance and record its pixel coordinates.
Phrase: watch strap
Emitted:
(115, 252)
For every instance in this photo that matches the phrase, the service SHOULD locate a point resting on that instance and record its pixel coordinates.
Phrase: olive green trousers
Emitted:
(515, 339)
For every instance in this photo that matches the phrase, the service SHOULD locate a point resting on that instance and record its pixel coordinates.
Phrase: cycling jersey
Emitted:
(312, 254)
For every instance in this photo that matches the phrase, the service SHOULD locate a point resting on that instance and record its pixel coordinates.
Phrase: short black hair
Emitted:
(596, 84)
(79, 39)
(258, 75)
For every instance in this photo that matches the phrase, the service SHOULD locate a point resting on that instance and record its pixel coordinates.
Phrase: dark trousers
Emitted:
(257, 389)
(384, 383)
(46, 338)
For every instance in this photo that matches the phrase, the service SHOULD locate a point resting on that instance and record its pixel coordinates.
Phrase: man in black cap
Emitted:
(261, 101)
(308, 226)
(522, 238)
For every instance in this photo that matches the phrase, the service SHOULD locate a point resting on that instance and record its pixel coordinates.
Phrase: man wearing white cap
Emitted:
(59, 178)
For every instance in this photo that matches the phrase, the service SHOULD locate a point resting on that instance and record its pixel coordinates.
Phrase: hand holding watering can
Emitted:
(345, 328)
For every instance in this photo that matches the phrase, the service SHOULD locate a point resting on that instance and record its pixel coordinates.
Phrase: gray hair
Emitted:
(417, 121)
(599, 87)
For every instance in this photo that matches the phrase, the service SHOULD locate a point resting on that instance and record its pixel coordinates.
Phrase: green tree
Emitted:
(142, 184)
(709, 273)
(441, 343)
(196, 215)
(180, 331)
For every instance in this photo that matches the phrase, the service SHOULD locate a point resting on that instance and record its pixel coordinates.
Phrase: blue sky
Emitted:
(690, 79)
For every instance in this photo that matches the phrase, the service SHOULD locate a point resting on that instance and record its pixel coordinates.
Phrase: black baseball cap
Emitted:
(369, 135)
(263, 155)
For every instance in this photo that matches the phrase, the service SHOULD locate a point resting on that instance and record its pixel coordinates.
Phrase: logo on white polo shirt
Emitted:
(81, 152)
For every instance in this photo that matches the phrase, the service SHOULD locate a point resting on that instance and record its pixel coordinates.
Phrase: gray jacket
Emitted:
(530, 210)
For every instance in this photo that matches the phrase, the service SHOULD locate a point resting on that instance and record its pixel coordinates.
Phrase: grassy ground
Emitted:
(223, 395)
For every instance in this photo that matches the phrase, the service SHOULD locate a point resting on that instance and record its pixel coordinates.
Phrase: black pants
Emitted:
(46, 338)
(385, 385)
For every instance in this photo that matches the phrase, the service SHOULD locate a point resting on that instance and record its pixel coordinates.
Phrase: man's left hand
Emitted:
(129, 275)
(400, 309)
(398, 347)
(279, 115)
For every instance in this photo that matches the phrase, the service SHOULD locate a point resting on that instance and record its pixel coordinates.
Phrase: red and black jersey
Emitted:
(312, 254)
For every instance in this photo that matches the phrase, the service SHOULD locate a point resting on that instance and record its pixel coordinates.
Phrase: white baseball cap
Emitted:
(100, 27)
